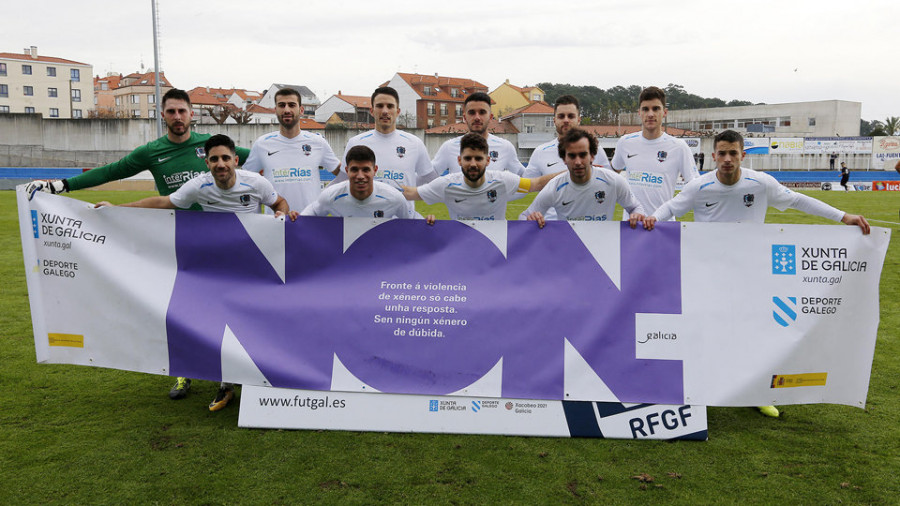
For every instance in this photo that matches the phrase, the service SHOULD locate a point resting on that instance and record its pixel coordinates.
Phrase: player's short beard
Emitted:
(290, 125)
(477, 177)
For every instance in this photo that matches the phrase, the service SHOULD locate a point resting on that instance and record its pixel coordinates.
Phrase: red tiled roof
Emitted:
(42, 59)
(199, 96)
(441, 82)
(256, 108)
(495, 127)
(532, 108)
(310, 124)
(111, 81)
(137, 79)
(356, 101)
(244, 94)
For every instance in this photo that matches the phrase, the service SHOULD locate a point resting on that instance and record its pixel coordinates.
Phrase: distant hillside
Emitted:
(602, 107)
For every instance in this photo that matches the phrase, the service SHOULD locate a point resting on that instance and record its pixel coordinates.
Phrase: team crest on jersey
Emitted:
(494, 155)
(600, 196)
(661, 155)
(401, 151)
(748, 199)
(307, 149)
(492, 195)
(245, 200)
(379, 214)
(201, 153)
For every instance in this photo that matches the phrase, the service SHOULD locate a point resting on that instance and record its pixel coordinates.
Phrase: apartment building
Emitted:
(47, 85)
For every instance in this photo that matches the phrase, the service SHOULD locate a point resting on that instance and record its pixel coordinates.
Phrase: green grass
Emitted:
(71, 435)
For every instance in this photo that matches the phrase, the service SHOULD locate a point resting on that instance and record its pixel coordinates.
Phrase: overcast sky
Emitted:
(764, 51)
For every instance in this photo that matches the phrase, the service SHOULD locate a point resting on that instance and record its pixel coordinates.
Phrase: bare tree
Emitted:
(240, 116)
(219, 113)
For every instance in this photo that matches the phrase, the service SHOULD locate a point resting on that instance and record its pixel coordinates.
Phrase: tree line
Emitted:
(603, 107)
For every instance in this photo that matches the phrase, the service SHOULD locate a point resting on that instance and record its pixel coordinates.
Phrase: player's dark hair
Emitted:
(473, 141)
(574, 135)
(651, 92)
(288, 91)
(729, 136)
(360, 153)
(565, 100)
(219, 140)
(478, 96)
(386, 90)
(176, 94)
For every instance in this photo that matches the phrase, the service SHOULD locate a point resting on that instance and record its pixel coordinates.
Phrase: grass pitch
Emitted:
(71, 434)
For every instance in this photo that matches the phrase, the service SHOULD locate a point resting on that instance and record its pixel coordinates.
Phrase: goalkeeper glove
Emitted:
(54, 187)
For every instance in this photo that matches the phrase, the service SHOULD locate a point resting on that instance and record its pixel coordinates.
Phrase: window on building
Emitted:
(54, 113)
(118, 101)
(95, 99)
(4, 90)
(29, 110)
(104, 86)
(443, 122)
(529, 129)
(4, 109)
(26, 70)
(135, 99)
(151, 98)
(812, 121)
(51, 71)
(430, 122)
(443, 109)
(75, 75)
(135, 113)
(76, 113)
(76, 95)
(152, 114)
(535, 97)
(548, 122)
(51, 92)
(428, 90)
(28, 90)
(3, 72)
(458, 111)
(430, 108)
(454, 92)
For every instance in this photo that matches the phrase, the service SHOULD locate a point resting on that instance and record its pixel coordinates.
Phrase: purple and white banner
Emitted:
(690, 313)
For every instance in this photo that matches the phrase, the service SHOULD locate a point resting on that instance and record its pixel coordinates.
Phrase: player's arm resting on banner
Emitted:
(282, 208)
(158, 202)
(627, 200)
(539, 206)
(675, 207)
(131, 164)
(816, 207)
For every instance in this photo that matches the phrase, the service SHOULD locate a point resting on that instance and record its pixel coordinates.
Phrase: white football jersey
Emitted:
(652, 167)
(743, 202)
(336, 200)
(593, 201)
(249, 191)
(502, 154)
(545, 160)
(292, 165)
(401, 158)
(487, 202)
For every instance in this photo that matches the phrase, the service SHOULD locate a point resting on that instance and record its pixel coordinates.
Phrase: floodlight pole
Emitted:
(159, 127)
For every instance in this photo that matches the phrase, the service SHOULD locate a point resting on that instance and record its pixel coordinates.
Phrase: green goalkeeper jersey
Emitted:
(171, 164)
